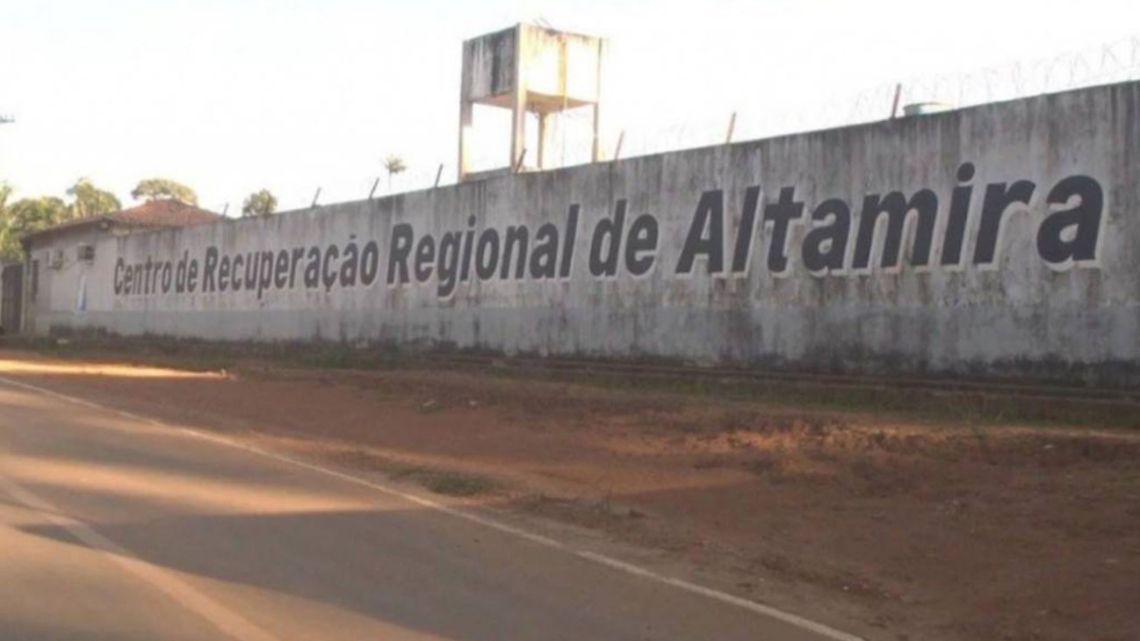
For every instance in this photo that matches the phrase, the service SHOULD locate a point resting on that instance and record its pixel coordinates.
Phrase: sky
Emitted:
(232, 96)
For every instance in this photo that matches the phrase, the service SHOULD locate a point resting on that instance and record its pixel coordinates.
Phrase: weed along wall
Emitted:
(997, 239)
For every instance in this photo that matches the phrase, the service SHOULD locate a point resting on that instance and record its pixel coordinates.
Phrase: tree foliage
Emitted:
(25, 216)
(259, 203)
(394, 164)
(28, 215)
(90, 200)
(5, 250)
(164, 189)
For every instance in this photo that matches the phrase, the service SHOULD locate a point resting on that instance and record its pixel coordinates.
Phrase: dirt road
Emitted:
(113, 527)
(891, 527)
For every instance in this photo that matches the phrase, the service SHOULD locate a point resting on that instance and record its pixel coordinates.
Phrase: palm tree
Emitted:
(394, 165)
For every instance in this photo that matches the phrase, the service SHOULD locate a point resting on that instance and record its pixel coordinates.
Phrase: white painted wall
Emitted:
(1018, 315)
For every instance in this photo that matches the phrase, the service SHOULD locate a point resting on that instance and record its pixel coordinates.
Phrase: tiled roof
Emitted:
(155, 214)
(163, 213)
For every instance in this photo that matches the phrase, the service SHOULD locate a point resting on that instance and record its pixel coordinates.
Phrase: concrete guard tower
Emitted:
(529, 69)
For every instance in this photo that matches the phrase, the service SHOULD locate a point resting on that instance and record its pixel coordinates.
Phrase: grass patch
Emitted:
(449, 483)
(971, 408)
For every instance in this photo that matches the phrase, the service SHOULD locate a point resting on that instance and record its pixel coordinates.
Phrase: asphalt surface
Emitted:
(115, 528)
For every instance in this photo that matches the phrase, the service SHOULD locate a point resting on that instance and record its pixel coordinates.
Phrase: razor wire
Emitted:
(1117, 61)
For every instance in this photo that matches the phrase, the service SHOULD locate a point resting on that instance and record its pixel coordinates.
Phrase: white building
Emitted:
(58, 260)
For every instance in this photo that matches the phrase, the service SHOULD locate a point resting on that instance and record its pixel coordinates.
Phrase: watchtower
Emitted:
(529, 69)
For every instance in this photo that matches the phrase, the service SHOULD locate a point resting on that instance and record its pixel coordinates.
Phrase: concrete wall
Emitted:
(1044, 194)
(57, 282)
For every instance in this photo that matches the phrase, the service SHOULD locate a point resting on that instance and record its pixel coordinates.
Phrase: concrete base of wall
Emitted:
(981, 342)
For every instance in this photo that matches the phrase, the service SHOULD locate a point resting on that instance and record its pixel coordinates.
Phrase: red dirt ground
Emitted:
(890, 528)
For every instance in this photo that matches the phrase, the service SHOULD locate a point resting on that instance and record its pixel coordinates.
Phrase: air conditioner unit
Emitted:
(55, 259)
(85, 252)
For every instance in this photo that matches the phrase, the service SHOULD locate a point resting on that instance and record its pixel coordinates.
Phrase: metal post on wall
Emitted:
(316, 196)
(375, 184)
(731, 127)
(895, 102)
(617, 147)
(438, 175)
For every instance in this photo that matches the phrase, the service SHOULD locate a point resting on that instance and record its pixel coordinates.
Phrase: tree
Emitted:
(164, 189)
(395, 165)
(26, 216)
(90, 200)
(5, 250)
(259, 203)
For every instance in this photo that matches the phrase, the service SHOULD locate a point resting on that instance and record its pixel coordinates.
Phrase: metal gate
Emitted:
(11, 298)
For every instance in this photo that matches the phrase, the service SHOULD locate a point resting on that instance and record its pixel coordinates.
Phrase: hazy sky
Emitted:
(231, 96)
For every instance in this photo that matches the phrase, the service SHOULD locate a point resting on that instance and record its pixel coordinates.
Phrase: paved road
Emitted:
(116, 529)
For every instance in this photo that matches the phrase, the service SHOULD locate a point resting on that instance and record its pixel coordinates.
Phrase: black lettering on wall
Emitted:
(192, 276)
(180, 273)
(425, 258)
(892, 229)
(641, 245)
(224, 266)
(567, 258)
(825, 246)
(781, 214)
(1071, 236)
(369, 263)
(959, 216)
(239, 269)
(999, 199)
(155, 280)
(514, 245)
(281, 269)
(350, 265)
(447, 270)
(746, 232)
(120, 267)
(468, 239)
(543, 262)
(298, 255)
(896, 207)
(401, 247)
(209, 267)
(605, 247)
(167, 277)
(329, 271)
(709, 218)
(252, 271)
(313, 268)
(487, 254)
(265, 272)
(146, 276)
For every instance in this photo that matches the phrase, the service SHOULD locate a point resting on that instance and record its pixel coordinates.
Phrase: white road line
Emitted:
(600, 559)
(230, 623)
